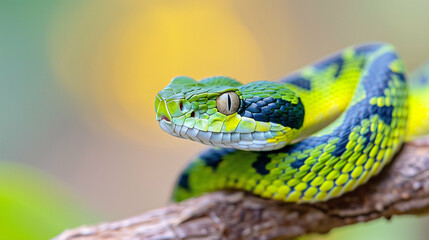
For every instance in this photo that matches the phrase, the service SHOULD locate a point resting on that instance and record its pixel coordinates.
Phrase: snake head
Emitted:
(221, 112)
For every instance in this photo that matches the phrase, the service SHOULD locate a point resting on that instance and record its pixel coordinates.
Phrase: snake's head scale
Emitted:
(221, 112)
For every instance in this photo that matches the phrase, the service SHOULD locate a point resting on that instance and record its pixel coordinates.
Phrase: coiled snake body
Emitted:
(311, 136)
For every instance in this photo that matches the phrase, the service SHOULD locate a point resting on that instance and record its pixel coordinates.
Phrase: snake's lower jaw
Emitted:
(256, 141)
(167, 126)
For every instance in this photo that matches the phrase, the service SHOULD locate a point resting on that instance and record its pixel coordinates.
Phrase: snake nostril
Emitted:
(193, 114)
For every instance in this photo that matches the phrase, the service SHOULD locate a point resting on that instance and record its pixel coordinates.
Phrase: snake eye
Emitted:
(228, 103)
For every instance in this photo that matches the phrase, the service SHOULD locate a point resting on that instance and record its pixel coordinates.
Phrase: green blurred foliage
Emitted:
(34, 206)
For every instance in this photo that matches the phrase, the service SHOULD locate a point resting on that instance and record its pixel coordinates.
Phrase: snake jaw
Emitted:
(167, 126)
(254, 141)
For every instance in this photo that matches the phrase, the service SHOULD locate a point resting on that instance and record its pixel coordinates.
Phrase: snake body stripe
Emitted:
(354, 113)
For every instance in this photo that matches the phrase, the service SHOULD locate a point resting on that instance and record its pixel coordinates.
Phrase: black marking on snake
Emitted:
(368, 48)
(300, 82)
(353, 118)
(274, 110)
(184, 181)
(400, 75)
(309, 143)
(385, 113)
(368, 138)
(361, 111)
(261, 162)
(212, 157)
(290, 78)
(380, 64)
(297, 163)
(340, 147)
(340, 65)
(337, 60)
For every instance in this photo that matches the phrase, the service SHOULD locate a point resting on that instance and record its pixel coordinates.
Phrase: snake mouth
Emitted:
(166, 125)
(165, 118)
(257, 141)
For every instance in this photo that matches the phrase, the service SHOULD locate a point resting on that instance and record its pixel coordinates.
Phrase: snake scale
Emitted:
(311, 136)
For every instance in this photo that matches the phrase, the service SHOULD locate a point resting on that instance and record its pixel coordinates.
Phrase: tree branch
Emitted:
(401, 188)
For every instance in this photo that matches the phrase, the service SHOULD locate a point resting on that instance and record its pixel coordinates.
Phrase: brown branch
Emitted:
(401, 188)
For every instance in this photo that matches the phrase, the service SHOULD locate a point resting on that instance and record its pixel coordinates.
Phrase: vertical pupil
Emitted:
(229, 103)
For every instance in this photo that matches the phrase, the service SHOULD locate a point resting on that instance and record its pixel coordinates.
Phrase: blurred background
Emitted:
(79, 143)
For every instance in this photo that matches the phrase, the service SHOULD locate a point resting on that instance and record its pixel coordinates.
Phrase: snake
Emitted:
(311, 136)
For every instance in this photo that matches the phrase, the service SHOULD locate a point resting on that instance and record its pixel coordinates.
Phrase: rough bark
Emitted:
(401, 188)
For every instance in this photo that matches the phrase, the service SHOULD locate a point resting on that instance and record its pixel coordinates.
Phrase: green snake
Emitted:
(311, 136)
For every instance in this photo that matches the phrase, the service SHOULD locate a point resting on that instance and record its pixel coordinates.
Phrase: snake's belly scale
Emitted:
(347, 136)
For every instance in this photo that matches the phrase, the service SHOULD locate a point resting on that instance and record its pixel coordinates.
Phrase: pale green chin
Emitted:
(254, 141)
